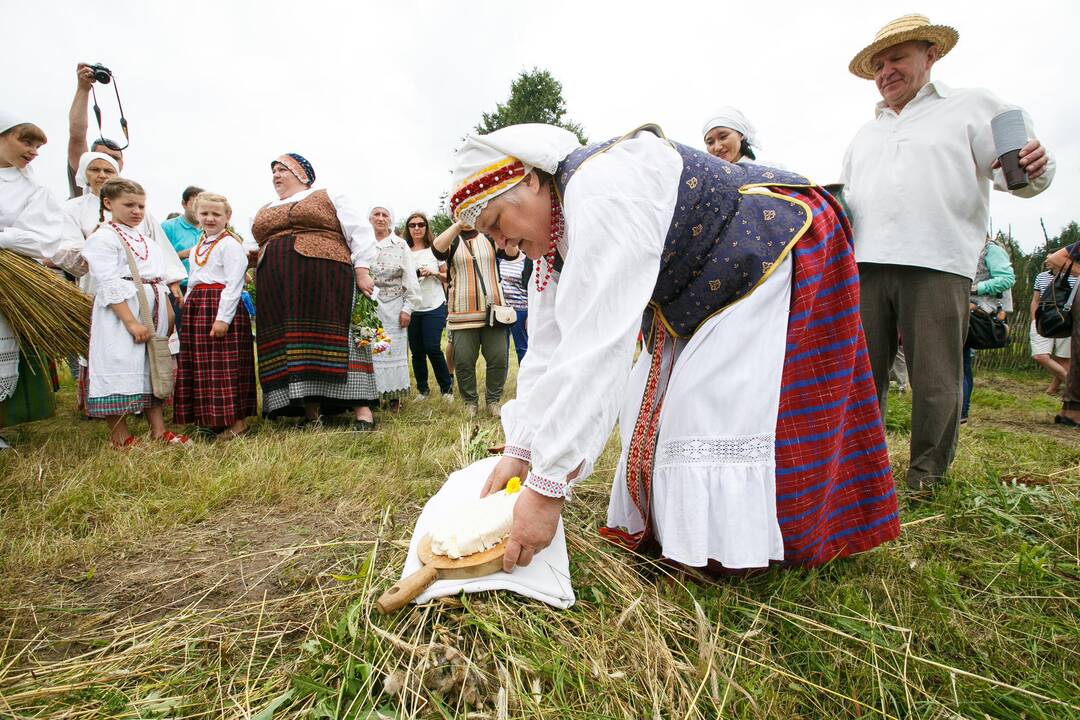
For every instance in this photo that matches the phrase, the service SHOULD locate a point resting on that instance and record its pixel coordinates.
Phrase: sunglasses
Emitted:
(417, 225)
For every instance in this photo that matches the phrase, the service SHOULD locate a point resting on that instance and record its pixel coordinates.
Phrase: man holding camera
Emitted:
(78, 126)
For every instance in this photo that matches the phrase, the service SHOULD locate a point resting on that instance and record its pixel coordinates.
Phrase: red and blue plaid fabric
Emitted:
(215, 377)
(835, 493)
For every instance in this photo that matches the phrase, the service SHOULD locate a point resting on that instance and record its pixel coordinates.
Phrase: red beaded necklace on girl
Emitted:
(558, 228)
(127, 241)
(202, 257)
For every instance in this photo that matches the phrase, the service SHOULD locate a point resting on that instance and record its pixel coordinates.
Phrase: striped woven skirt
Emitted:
(215, 379)
(306, 353)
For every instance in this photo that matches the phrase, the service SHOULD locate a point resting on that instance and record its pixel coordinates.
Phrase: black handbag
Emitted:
(1053, 316)
(987, 330)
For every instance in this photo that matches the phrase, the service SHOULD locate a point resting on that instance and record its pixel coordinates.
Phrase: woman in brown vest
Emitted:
(314, 253)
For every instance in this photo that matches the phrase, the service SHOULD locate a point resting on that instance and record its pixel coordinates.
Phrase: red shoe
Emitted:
(129, 442)
(171, 438)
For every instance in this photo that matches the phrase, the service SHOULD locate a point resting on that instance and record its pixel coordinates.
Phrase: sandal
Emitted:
(1066, 421)
(363, 425)
(129, 442)
(170, 438)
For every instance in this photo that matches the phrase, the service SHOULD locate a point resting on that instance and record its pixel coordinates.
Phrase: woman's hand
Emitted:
(138, 331)
(506, 468)
(364, 281)
(403, 319)
(218, 329)
(536, 518)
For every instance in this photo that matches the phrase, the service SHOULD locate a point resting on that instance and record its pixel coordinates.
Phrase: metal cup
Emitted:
(1010, 135)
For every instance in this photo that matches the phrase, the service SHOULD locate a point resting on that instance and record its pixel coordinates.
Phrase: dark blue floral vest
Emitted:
(722, 240)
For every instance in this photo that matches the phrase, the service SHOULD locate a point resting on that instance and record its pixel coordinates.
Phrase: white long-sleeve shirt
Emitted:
(918, 182)
(583, 327)
(354, 226)
(225, 264)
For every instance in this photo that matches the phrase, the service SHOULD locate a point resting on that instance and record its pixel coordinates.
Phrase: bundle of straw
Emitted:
(49, 315)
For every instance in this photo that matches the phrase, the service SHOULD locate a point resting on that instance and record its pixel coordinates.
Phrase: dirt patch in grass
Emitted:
(242, 558)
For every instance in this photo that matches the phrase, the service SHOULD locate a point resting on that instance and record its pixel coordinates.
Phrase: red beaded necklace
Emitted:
(558, 229)
(202, 257)
(127, 241)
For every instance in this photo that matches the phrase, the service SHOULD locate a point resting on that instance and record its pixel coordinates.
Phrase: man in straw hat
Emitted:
(750, 425)
(917, 181)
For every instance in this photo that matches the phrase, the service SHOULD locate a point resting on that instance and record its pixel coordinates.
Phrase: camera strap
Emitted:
(120, 105)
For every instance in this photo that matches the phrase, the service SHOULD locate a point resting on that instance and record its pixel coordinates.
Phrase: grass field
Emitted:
(239, 580)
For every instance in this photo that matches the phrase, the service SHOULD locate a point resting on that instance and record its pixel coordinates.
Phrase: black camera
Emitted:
(102, 74)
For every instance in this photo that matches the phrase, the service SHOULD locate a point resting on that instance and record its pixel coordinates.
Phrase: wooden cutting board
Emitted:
(438, 567)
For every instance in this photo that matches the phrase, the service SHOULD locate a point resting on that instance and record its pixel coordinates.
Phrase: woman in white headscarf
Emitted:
(94, 169)
(730, 136)
(33, 224)
(399, 293)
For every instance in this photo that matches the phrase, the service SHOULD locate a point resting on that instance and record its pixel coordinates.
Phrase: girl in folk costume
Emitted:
(119, 368)
(749, 425)
(399, 294)
(94, 170)
(33, 224)
(215, 382)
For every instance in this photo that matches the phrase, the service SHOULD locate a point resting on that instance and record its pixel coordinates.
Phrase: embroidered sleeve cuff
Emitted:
(546, 486)
(516, 451)
(116, 291)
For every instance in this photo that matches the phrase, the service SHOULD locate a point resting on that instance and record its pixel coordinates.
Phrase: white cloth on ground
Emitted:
(225, 265)
(918, 182)
(714, 480)
(546, 578)
(118, 365)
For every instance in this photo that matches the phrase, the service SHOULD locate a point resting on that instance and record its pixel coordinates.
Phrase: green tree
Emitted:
(535, 97)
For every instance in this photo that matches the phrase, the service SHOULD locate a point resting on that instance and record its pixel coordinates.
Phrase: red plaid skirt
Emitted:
(215, 380)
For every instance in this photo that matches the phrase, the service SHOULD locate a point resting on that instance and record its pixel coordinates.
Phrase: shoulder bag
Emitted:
(158, 356)
(1053, 315)
(497, 315)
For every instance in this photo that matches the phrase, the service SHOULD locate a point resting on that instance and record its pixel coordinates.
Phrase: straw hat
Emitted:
(901, 30)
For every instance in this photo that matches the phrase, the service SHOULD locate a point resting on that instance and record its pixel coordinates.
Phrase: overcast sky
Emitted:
(378, 95)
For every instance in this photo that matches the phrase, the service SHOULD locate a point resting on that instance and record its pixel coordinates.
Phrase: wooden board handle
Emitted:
(406, 590)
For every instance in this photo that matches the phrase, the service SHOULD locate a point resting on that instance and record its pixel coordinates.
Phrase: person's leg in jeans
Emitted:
(416, 348)
(878, 312)
(433, 328)
(466, 352)
(496, 361)
(933, 314)
(969, 382)
(521, 336)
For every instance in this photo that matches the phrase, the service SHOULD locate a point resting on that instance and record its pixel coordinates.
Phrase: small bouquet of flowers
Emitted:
(367, 327)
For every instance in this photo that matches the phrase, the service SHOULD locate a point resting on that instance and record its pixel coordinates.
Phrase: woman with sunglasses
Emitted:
(429, 317)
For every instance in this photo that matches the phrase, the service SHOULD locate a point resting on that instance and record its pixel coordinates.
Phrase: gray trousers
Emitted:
(930, 310)
(468, 346)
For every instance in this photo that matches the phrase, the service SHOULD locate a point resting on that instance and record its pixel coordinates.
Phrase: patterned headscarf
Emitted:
(298, 166)
(488, 165)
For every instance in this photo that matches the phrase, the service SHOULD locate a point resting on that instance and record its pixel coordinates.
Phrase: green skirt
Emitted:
(34, 397)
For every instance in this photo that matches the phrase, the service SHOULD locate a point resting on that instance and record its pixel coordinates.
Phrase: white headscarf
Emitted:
(533, 144)
(84, 163)
(730, 117)
(9, 120)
